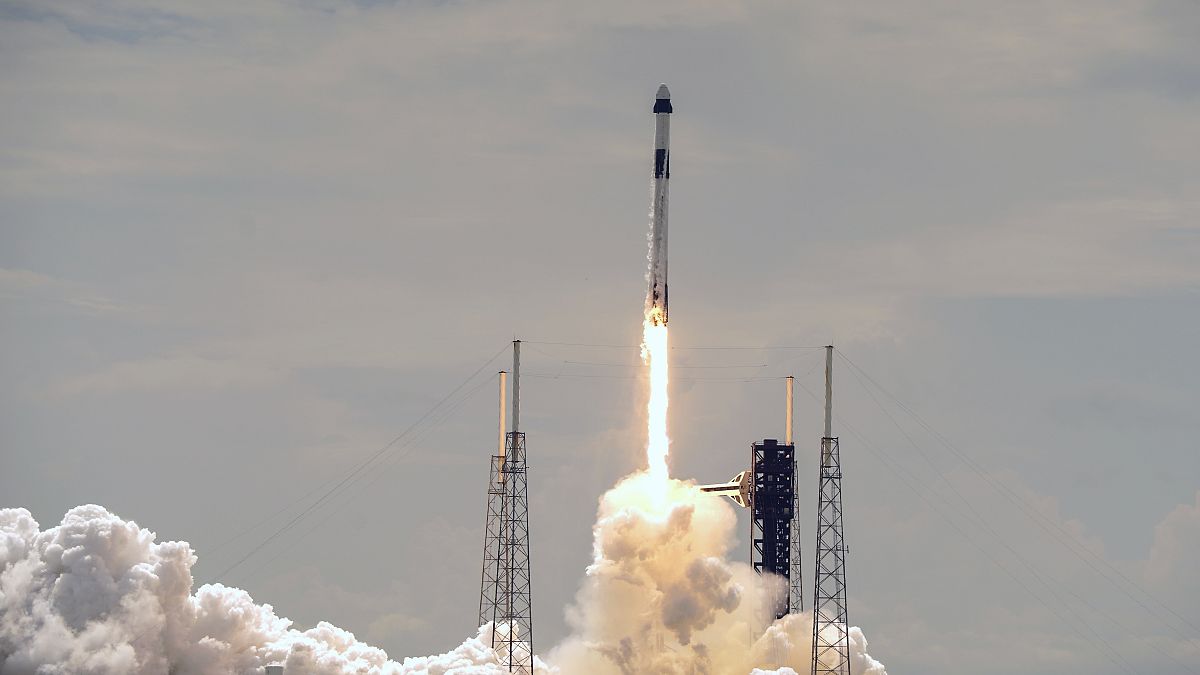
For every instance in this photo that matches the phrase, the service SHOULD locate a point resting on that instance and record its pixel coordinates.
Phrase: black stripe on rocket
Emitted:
(662, 164)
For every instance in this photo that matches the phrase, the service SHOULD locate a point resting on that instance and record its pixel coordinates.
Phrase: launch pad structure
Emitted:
(831, 624)
(773, 516)
(768, 488)
(505, 598)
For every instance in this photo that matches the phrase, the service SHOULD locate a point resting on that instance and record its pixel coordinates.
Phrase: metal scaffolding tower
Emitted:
(831, 636)
(772, 504)
(504, 597)
(768, 489)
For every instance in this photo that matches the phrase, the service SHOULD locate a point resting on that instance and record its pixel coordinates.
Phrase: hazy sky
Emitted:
(243, 245)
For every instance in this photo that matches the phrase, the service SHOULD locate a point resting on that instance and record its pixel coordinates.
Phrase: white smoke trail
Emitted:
(97, 595)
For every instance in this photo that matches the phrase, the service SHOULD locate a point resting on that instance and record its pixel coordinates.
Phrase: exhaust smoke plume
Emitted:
(97, 595)
(661, 595)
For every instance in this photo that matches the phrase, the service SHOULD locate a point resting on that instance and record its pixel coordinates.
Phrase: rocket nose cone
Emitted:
(662, 100)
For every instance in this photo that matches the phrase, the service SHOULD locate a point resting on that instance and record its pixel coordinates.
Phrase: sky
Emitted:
(245, 245)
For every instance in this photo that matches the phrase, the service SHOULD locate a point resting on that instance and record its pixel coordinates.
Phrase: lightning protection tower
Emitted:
(504, 597)
(831, 637)
(796, 577)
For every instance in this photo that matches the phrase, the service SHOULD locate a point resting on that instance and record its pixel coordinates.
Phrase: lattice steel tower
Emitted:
(504, 597)
(831, 637)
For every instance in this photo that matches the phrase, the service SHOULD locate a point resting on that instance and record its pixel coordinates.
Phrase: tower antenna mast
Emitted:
(796, 575)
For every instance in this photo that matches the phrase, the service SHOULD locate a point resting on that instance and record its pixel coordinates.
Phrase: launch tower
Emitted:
(768, 489)
(831, 637)
(504, 597)
(772, 504)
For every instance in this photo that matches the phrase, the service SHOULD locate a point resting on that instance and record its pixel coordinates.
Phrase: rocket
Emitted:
(656, 296)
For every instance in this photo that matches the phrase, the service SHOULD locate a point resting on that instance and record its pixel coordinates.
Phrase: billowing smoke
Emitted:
(98, 595)
(661, 595)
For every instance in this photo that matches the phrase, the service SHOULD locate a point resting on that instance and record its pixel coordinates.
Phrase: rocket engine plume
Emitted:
(654, 353)
(655, 347)
(665, 595)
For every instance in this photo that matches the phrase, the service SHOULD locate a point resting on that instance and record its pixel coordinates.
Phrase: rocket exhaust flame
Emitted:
(654, 353)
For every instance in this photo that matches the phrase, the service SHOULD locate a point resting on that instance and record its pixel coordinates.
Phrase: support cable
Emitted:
(1061, 534)
(376, 476)
(356, 473)
(909, 480)
(979, 518)
(676, 347)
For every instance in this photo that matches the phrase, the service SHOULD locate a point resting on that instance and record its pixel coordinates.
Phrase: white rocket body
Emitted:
(656, 296)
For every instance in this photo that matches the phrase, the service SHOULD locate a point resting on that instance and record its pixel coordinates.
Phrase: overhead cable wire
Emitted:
(226, 542)
(675, 347)
(1063, 535)
(908, 479)
(984, 523)
(562, 374)
(357, 471)
(564, 363)
(673, 366)
(598, 376)
(381, 471)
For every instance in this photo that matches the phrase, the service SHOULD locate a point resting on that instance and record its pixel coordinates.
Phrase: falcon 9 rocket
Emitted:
(656, 296)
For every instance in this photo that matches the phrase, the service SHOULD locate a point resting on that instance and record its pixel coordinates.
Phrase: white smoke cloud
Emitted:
(98, 595)
(662, 596)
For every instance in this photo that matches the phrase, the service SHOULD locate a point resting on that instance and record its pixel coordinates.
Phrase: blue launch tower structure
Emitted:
(773, 515)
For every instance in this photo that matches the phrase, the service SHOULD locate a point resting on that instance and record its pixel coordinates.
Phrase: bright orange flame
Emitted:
(654, 353)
